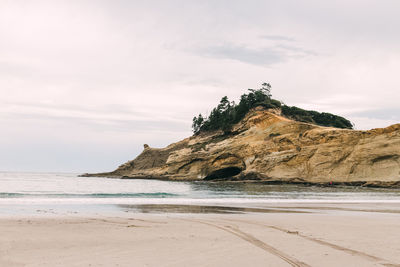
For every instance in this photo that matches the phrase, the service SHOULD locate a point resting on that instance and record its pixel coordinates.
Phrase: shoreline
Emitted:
(286, 234)
(395, 184)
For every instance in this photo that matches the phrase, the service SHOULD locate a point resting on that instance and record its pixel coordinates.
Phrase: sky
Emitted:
(84, 84)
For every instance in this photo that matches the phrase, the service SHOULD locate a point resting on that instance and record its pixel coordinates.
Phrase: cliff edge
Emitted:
(266, 146)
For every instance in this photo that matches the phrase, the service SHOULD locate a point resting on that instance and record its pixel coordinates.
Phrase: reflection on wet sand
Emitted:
(345, 209)
(172, 208)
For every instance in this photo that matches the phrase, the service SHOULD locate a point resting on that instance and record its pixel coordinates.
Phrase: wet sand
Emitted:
(293, 234)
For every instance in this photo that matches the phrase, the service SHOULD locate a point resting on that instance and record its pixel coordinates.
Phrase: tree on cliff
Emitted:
(227, 113)
(197, 122)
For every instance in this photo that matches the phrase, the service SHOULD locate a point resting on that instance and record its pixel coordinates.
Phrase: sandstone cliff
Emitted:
(268, 147)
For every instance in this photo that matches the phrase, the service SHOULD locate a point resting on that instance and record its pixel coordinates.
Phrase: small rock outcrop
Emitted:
(268, 147)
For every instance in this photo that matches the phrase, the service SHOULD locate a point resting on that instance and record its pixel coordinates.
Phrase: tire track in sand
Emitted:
(254, 241)
(328, 244)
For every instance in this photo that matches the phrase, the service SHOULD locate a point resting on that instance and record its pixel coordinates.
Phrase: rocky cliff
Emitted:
(269, 147)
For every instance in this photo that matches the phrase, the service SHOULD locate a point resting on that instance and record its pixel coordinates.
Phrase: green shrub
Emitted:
(311, 116)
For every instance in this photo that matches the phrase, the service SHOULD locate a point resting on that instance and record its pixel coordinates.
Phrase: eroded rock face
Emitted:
(266, 146)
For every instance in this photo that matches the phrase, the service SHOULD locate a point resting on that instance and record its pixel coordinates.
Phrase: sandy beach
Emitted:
(272, 235)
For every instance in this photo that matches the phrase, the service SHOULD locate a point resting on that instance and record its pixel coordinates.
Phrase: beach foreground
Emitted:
(272, 235)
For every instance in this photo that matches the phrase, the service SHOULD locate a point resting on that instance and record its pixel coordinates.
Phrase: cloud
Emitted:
(106, 118)
(297, 50)
(277, 38)
(263, 57)
(365, 123)
(392, 114)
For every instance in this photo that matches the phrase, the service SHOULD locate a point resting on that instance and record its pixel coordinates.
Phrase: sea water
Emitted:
(66, 193)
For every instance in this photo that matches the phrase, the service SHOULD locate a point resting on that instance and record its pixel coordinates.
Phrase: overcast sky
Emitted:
(84, 84)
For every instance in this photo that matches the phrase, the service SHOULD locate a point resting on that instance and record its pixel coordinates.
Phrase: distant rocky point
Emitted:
(269, 147)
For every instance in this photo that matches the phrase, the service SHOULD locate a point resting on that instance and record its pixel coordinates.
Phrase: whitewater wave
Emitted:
(185, 201)
(85, 195)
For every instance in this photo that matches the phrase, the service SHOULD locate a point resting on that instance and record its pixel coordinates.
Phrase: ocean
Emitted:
(67, 193)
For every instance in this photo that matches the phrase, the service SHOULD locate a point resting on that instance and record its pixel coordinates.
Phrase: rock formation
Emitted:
(268, 147)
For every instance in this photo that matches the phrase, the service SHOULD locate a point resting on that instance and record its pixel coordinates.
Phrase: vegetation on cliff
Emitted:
(228, 113)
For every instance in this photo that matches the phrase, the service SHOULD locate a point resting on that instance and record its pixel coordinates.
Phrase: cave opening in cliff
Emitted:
(223, 173)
